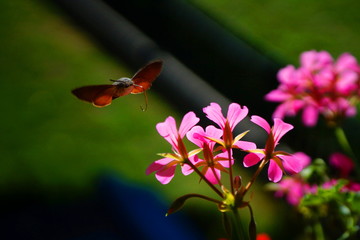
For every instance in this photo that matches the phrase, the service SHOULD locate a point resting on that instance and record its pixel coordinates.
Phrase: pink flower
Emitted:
(315, 61)
(211, 165)
(350, 187)
(165, 167)
(279, 161)
(342, 163)
(294, 189)
(319, 86)
(288, 91)
(234, 115)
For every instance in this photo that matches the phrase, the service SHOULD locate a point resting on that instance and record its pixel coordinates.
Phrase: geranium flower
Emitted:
(319, 86)
(165, 167)
(342, 163)
(349, 187)
(294, 188)
(279, 161)
(234, 115)
(211, 165)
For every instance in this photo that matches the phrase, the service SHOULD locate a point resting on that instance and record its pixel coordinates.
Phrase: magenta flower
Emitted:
(342, 163)
(234, 115)
(279, 161)
(165, 167)
(294, 189)
(350, 187)
(211, 165)
(315, 61)
(319, 86)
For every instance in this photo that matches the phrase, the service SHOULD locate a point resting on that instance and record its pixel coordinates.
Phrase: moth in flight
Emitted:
(103, 95)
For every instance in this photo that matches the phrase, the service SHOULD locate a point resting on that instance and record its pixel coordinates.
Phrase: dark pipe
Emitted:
(224, 60)
(177, 83)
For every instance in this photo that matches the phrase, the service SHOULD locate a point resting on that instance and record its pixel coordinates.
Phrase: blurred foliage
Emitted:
(50, 140)
(284, 29)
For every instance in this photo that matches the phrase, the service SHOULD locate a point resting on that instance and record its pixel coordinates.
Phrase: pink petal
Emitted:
(212, 131)
(166, 175)
(302, 158)
(245, 145)
(195, 135)
(209, 174)
(158, 164)
(225, 155)
(347, 82)
(324, 78)
(188, 121)
(168, 130)
(274, 172)
(236, 114)
(292, 164)
(342, 163)
(186, 169)
(293, 188)
(213, 112)
(310, 116)
(313, 60)
(350, 111)
(347, 62)
(296, 192)
(280, 111)
(277, 96)
(261, 122)
(280, 128)
(251, 159)
(286, 74)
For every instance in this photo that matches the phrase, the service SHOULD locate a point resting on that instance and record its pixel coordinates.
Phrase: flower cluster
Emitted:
(214, 157)
(322, 86)
(217, 144)
(319, 86)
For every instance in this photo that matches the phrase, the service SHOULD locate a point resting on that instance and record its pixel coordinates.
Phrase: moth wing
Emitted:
(98, 95)
(146, 75)
(104, 99)
(89, 93)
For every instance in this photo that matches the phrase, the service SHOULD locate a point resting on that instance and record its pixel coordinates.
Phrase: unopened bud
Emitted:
(237, 182)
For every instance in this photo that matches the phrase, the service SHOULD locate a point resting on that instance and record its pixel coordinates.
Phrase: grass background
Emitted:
(54, 145)
(48, 137)
(284, 29)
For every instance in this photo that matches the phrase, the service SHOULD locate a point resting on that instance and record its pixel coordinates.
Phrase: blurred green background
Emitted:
(284, 29)
(56, 146)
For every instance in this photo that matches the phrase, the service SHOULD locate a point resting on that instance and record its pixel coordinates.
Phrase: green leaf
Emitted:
(179, 202)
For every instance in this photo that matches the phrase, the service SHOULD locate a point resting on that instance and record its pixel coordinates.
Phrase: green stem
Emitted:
(318, 231)
(216, 176)
(203, 177)
(230, 172)
(345, 145)
(256, 174)
(238, 231)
